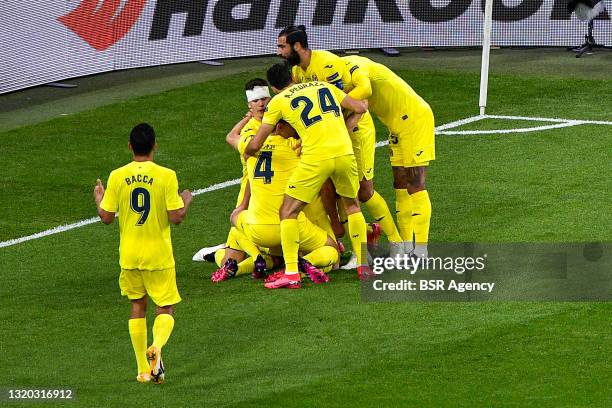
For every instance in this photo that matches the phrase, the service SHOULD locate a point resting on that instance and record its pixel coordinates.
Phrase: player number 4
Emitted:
(263, 167)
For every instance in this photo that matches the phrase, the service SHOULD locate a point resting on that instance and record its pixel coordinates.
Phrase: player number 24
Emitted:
(326, 103)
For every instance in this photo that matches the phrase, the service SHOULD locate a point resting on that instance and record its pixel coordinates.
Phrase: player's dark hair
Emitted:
(279, 75)
(295, 34)
(255, 82)
(142, 139)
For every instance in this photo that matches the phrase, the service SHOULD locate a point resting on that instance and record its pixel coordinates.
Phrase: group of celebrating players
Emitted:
(308, 161)
(315, 141)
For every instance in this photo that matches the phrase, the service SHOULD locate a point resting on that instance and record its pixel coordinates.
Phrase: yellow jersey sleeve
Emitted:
(332, 70)
(328, 67)
(110, 202)
(246, 134)
(361, 81)
(242, 144)
(274, 111)
(173, 199)
(338, 94)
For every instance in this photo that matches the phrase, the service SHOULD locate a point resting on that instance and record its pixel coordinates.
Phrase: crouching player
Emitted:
(269, 172)
(258, 96)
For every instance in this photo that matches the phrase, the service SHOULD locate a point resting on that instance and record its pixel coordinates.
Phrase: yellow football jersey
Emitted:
(143, 192)
(269, 171)
(246, 134)
(392, 99)
(325, 67)
(313, 110)
(328, 67)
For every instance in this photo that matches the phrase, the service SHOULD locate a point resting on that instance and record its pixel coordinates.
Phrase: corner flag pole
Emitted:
(486, 49)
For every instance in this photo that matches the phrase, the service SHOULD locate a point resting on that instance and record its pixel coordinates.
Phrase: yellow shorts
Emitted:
(364, 145)
(268, 235)
(160, 285)
(415, 145)
(231, 241)
(306, 181)
(316, 213)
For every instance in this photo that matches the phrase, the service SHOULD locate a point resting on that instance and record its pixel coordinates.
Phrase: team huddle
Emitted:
(308, 164)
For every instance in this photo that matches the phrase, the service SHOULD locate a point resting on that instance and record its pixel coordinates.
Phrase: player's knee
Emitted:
(165, 310)
(288, 212)
(139, 307)
(400, 178)
(366, 190)
(351, 205)
(331, 242)
(416, 179)
(290, 208)
(415, 186)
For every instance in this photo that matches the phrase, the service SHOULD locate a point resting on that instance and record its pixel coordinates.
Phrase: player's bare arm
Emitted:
(105, 216)
(352, 120)
(257, 142)
(355, 105)
(243, 205)
(177, 216)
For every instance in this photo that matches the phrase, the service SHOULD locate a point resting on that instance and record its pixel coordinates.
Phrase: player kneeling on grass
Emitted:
(269, 172)
(313, 110)
(257, 96)
(146, 196)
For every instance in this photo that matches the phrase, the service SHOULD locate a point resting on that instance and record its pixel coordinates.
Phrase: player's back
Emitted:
(269, 171)
(392, 100)
(144, 192)
(313, 110)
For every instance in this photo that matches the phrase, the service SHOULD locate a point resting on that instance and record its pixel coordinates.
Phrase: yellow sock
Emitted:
(246, 267)
(378, 208)
(290, 240)
(138, 334)
(162, 328)
(323, 257)
(421, 216)
(403, 212)
(358, 235)
(219, 255)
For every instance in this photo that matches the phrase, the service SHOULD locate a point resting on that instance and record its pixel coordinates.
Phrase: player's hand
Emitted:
(98, 191)
(186, 196)
(298, 148)
(248, 115)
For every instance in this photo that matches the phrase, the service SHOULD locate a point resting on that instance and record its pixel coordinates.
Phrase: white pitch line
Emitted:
(461, 122)
(439, 130)
(217, 186)
(505, 131)
(51, 231)
(580, 121)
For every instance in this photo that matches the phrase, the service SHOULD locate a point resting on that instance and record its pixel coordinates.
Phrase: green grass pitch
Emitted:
(64, 323)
